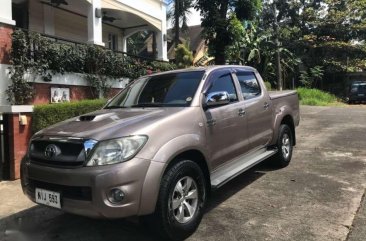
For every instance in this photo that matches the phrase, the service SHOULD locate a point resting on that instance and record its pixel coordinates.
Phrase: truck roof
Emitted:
(207, 69)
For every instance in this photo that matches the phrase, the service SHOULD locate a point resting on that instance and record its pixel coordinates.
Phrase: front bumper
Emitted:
(84, 190)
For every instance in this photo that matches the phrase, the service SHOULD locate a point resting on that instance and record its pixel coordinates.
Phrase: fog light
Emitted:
(116, 195)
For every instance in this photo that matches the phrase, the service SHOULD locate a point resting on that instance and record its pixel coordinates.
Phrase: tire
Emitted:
(168, 220)
(284, 145)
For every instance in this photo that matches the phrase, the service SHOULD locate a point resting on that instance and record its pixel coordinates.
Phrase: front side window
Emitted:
(249, 85)
(165, 90)
(223, 82)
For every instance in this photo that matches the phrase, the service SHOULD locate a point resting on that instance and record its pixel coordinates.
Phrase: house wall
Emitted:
(35, 16)
(70, 26)
(67, 25)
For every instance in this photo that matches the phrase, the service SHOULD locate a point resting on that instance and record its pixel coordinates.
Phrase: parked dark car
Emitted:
(357, 92)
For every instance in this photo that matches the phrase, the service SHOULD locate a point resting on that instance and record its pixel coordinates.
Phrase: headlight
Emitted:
(116, 150)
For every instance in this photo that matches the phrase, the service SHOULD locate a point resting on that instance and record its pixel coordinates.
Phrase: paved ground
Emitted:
(318, 197)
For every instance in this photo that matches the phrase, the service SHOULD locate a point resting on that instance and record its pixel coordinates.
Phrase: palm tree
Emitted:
(178, 13)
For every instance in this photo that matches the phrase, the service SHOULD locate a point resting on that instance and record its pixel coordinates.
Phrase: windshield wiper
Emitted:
(148, 105)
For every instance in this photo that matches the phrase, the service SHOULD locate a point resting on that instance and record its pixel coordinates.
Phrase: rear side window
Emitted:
(249, 85)
(224, 82)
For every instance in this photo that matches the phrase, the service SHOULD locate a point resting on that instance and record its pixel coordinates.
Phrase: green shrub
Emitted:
(268, 85)
(46, 115)
(316, 97)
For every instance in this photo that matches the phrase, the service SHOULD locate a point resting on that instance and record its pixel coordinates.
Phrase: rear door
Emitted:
(257, 107)
(226, 127)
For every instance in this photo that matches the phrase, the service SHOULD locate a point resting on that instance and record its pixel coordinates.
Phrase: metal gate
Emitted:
(4, 148)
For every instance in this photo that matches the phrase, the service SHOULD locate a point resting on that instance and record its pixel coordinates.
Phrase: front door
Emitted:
(226, 126)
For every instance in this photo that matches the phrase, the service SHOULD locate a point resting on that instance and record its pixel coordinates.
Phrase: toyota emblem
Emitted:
(51, 151)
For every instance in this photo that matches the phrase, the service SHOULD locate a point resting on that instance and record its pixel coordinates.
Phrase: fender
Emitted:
(159, 163)
(279, 114)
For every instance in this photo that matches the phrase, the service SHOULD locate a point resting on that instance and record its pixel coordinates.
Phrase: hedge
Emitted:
(46, 115)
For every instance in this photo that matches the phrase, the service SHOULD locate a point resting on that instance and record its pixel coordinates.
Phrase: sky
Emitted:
(193, 19)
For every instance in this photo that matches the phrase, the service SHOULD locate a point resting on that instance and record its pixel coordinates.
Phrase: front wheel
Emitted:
(284, 145)
(182, 198)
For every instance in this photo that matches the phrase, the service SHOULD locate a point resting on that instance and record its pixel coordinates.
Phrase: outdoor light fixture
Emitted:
(98, 12)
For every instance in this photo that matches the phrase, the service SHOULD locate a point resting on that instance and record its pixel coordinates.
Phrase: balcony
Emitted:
(108, 23)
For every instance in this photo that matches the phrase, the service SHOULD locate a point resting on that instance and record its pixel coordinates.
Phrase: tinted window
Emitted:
(175, 89)
(249, 84)
(224, 82)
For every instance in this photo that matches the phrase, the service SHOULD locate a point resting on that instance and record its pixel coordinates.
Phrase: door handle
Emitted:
(241, 112)
(266, 105)
(211, 122)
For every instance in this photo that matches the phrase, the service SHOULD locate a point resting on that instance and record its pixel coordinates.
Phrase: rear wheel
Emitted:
(181, 201)
(285, 146)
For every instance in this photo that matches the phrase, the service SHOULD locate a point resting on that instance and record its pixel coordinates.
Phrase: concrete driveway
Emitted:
(318, 197)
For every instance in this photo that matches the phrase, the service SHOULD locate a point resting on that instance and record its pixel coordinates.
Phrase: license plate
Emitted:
(48, 198)
(361, 94)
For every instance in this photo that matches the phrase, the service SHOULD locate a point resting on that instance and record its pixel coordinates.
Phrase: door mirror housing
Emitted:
(217, 99)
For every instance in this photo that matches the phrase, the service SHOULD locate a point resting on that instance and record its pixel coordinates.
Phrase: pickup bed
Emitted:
(159, 147)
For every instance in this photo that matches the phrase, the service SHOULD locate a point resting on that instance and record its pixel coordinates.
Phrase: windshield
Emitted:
(358, 87)
(165, 90)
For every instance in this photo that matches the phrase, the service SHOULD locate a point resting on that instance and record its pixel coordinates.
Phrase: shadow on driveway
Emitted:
(44, 224)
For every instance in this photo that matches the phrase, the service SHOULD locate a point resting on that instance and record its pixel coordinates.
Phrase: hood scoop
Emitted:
(88, 118)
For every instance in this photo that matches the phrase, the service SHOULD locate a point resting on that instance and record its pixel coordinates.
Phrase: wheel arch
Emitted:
(197, 157)
(186, 147)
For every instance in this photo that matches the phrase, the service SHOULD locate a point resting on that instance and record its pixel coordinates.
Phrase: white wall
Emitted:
(4, 83)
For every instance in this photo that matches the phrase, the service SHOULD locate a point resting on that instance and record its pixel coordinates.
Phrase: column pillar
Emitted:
(124, 44)
(161, 37)
(95, 34)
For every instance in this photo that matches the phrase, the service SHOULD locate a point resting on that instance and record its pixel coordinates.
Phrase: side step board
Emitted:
(231, 170)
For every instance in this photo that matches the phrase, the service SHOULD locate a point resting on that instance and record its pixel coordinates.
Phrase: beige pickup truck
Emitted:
(159, 147)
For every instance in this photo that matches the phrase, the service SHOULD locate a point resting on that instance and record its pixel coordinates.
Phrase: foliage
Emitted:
(178, 12)
(47, 115)
(268, 85)
(34, 53)
(309, 78)
(183, 57)
(217, 22)
(326, 33)
(316, 97)
(20, 91)
(101, 86)
(240, 38)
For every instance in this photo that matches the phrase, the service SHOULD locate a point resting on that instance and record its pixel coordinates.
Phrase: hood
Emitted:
(109, 123)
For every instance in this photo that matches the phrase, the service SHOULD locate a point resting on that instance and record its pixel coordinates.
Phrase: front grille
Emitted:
(69, 154)
(69, 192)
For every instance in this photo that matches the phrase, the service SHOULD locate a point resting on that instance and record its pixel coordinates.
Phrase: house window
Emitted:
(112, 41)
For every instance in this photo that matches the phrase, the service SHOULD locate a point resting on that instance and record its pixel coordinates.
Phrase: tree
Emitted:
(216, 19)
(325, 33)
(183, 56)
(178, 13)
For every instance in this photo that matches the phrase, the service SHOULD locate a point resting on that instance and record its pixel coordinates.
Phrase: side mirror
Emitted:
(217, 99)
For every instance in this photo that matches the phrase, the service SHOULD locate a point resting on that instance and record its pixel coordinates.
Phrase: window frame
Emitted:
(256, 78)
(213, 75)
